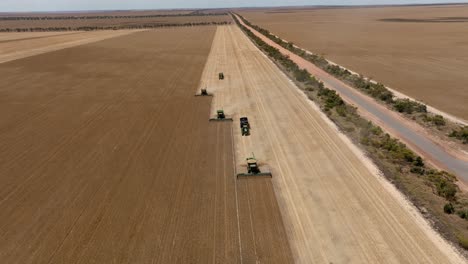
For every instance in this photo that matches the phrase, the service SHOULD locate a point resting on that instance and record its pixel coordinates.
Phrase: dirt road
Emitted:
(107, 157)
(335, 207)
(408, 131)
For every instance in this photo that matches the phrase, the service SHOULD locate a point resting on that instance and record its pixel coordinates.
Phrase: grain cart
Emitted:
(244, 121)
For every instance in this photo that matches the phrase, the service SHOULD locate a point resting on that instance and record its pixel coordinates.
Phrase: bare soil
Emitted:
(107, 157)
(419, 51)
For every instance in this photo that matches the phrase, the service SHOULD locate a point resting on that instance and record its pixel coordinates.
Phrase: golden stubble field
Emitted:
(420, 51)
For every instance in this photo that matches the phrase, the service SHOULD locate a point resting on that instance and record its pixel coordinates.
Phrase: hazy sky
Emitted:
(60, 5)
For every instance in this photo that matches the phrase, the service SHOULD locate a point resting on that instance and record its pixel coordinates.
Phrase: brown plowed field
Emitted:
(419, 51)
(107, 157)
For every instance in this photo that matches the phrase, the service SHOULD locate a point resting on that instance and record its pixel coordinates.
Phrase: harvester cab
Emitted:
(221, 76)
(252, 166)
(220, 114)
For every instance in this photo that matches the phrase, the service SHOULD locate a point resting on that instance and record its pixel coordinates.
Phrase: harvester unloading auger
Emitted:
(253, 169)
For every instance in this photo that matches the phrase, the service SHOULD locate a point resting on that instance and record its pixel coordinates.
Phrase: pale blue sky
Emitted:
(69, 5)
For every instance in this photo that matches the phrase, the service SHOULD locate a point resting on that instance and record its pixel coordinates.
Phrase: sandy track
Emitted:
(15, 46)
(107, 157)
(334, 208)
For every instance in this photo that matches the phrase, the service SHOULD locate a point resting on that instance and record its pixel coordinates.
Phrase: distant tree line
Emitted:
(193, 14)
(119, 27)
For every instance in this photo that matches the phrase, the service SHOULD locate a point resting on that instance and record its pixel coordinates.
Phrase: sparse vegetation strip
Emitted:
(193, 14)
(119, 27)
(410, 108)
(432, 191)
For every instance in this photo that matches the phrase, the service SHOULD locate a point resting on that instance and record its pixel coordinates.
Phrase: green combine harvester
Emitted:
(253, 169)
(220, 116)
(221, 76)
(203, 92)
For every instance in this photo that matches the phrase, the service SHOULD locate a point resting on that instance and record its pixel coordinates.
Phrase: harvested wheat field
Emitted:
(107, 157)
(335, 205)
(420, 51)
(15, 46)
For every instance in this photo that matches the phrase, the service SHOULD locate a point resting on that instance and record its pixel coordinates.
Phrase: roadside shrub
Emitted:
(438, 120)
(446, 189)
(418, 162)
(408, 106)
(302, 75)
(337, 71)
(462, 241)
(417, 170)
(448, 208)
(462, 213)
(331, 98)
(461, 134)
(341, 110)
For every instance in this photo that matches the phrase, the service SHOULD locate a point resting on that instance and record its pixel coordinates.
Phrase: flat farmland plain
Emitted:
(107, 157)
(419, 51)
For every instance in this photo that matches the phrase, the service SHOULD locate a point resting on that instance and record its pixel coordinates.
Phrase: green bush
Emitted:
(462, 241)
(448, 208)
(461, 134)
(408, 106)
(341, 110)
(418, 162)
(302, 75)
(438, 120)
(462, 214)
(446, 189)
(417, 170)
(330, 97)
